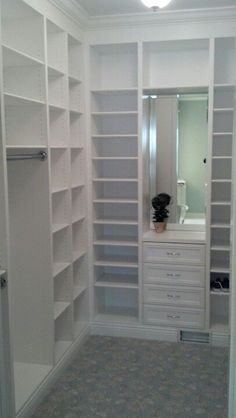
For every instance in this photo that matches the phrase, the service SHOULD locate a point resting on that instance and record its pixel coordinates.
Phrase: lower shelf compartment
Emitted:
(117, 315)
(114, 304)
(32, 375)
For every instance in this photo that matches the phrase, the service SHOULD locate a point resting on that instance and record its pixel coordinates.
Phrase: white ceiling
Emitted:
(118, 7)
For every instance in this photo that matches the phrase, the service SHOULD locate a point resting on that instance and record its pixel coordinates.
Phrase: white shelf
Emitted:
(222, 157)
(221, 181)
(77, 255)
(114, 113)
(59, 227)
(116, 285)
(77, 291)
(219, 203)
(26, 147)
(120, 136)
(222, 133)
(54, 71)
(77, 218)
(58, 189)
(220, 248)
(123, 243)
(220, 270)
(115, 263)
(20, 55)
(74, 79)
(223, 86)
(59, 268)
(219, 293)
(223, 110)
(114, 158)
(114, 200)
(114, 222)
(115, 90)
(220, 226)
(18, 100)
(105, 179)
(59, 308)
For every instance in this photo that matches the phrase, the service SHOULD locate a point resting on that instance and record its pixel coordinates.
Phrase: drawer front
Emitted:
(174, 275)
(173, 317)
(186, 297)
(174, 253)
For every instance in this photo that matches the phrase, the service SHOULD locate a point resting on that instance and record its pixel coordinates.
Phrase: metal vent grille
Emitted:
(195, 337)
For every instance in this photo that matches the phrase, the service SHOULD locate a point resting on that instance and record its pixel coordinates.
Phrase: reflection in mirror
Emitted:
(178, 131)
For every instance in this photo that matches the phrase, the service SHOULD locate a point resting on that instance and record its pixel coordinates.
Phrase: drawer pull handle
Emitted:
(173, 275)
(173, 296)
(173, 316)
(173, 254)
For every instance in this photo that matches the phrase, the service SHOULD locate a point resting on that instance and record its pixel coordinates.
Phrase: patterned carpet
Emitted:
(130, 378)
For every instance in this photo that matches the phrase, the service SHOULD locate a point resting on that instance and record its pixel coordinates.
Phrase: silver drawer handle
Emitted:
(173, 254)
(173, 316)
(173, 296)
(173, 275)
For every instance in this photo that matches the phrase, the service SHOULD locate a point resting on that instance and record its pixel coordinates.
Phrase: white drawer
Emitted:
(175, 317)
(174, 275)
(174, 296)
(174, 253)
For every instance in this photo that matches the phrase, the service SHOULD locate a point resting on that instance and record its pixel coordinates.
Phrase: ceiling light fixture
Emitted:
(156, 4)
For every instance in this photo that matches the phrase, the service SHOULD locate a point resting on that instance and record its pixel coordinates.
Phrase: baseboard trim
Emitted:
(220, 340)
(43, 389)
(149, 333)
(142, 332)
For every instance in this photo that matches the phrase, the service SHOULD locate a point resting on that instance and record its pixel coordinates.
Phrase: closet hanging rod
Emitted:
(42, 156)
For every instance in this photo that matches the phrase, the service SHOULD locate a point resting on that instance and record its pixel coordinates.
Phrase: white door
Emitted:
(6, 366)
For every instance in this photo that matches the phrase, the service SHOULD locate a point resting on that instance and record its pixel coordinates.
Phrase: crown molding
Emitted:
(222, 14)
(164, 17)
(72, 10)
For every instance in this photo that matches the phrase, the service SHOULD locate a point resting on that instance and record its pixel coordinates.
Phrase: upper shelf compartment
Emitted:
(170, 64)
(114, 66)
(224, 61)
(75, 63)
(56, 47)
(22, 28)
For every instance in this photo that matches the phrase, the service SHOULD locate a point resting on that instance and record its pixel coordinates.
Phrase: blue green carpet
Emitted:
(131, 378)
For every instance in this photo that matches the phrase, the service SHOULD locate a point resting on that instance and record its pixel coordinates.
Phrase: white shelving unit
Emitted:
(221, 180)
(114, 131)
(43, 104)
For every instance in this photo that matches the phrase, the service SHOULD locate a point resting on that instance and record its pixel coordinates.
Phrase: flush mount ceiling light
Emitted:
(156, 4)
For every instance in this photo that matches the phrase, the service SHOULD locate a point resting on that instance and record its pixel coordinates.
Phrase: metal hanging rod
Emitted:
(42, 156)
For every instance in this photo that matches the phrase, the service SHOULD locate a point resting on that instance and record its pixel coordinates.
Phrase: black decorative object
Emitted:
(160, 214)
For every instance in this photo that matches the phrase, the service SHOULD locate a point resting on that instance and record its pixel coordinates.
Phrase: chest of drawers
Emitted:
(174, 285)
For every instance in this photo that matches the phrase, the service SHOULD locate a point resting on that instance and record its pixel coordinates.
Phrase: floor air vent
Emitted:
(194, 337)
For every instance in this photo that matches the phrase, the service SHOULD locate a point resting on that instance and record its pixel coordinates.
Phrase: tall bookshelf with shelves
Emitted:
(42, 91)
(221, 183)
(114, 124)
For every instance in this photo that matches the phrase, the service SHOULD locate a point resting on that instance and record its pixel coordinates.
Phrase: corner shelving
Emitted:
(221, 180)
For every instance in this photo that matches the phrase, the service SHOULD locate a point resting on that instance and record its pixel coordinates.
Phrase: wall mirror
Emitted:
(177, 132)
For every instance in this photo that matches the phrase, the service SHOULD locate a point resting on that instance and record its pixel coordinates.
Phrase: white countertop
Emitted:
(178, 236)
